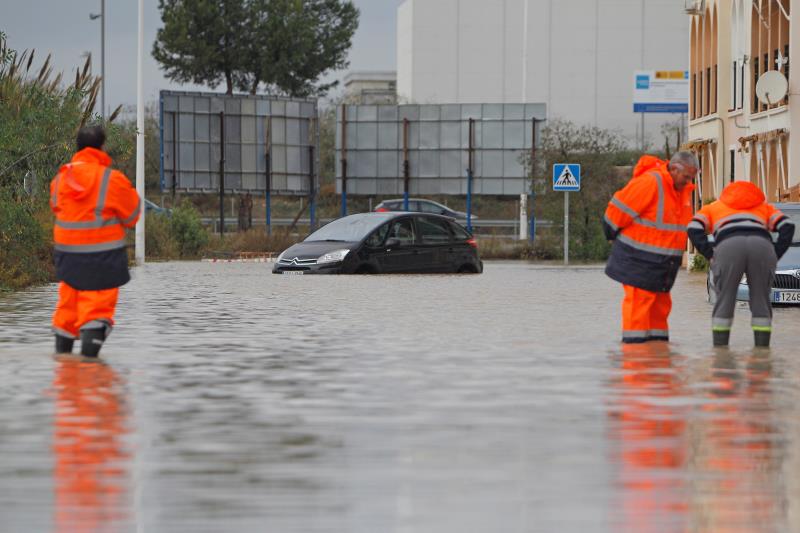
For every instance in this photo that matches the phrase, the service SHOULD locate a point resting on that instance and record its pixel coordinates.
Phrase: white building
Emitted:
(370, 87)
(577, 56)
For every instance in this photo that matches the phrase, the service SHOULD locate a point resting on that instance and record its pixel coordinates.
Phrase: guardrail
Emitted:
(232, 224)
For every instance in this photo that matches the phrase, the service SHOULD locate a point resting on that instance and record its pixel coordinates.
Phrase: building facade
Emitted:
(370, 87)
(576, 56)
(737, 136)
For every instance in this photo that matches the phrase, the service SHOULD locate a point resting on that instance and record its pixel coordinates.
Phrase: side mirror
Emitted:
(392, 242)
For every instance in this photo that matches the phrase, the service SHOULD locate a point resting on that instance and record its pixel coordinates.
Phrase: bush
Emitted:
(699, 263)
(159, 242)
(187, 230)
(25, 257)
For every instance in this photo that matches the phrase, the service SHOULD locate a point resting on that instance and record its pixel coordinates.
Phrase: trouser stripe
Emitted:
(63, 333)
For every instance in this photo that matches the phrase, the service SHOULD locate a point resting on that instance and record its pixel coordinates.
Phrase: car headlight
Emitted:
(281, 256)
(332, 257)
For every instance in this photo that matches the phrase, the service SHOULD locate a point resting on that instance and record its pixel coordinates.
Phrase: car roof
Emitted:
(388, 215)
(414, 200)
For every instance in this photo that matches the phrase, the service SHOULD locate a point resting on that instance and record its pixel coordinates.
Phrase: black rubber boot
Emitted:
(92, 341)
(762, 338)
(64, 344)
(721, 338)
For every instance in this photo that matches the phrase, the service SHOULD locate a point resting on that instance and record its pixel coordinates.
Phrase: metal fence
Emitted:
(428, 149)
(246, 143)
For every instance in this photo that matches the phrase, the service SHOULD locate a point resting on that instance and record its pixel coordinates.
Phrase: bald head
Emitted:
(683, 167)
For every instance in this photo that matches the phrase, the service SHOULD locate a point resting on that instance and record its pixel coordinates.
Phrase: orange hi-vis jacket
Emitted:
(93, 204)
(741, 209)
(647, 220)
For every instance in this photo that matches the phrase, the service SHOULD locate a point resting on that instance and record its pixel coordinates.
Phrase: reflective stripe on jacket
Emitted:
(741, 209)
(742, 205)
(647, 219)
(93, 204)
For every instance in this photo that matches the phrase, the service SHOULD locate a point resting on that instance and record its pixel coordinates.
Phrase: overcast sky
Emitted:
(63, 28)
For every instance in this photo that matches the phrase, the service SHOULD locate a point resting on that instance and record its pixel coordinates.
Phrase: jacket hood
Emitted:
(742, 195)
(647, 163)
(80, 175)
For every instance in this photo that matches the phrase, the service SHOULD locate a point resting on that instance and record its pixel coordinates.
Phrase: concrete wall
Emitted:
(579, 59)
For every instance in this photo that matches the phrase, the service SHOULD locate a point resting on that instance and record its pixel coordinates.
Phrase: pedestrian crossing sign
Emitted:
(566, 177)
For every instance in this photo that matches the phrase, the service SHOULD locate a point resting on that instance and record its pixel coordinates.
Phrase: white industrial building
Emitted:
(577, 56)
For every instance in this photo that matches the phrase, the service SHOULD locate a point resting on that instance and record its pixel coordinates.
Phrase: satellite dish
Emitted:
(772, 87)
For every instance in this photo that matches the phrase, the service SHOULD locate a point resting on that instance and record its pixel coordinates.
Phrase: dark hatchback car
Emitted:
(786, 285)
(373, 243)
(422, 206)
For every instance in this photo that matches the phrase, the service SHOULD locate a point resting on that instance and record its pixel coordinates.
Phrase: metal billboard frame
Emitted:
(272, 147)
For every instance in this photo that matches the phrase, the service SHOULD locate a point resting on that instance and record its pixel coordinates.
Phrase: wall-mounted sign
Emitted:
(661, 91)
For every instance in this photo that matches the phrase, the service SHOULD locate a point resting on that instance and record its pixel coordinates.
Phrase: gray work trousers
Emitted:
(753, 255)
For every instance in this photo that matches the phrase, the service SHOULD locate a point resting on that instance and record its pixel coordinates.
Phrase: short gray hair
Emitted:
(685, 158)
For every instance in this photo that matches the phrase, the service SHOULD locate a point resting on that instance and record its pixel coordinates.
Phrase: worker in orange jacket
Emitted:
(742, 222)
(646, 220)
(93, 205)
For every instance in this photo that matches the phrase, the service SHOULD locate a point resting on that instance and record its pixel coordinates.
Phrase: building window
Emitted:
(733, 165)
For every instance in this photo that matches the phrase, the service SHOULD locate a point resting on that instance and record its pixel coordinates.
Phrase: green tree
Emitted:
(283, 46)
(295, 43)
(600, 153)
(201, 41)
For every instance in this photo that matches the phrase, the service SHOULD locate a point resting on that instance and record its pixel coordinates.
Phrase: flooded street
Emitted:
(231, 399)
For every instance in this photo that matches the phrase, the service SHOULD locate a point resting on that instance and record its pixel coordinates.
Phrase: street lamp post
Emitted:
(102, 17)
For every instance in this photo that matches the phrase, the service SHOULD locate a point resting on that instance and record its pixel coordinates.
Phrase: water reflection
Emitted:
(90, 457)
(650, 429)
(696, 442)
(739, 450)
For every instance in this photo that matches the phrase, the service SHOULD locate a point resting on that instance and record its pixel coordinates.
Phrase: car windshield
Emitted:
(352, 228)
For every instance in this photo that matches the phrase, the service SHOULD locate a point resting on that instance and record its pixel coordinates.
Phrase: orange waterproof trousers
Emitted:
(644, 315)
(76, 309)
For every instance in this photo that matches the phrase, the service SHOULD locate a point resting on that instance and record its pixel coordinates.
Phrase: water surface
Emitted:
(230, 399)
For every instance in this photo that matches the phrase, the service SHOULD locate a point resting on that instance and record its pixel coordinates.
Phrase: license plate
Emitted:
(293, 272)
(791, 297)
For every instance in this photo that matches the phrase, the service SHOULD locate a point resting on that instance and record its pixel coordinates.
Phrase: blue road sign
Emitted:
(566, 177)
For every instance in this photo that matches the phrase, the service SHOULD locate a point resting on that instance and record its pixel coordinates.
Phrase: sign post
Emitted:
(566, 178)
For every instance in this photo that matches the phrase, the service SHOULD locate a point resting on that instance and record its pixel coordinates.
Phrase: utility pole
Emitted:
(102, 17)
(139, 250)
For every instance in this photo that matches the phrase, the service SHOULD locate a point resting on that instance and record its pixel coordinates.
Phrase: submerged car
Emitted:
(422, 206)
(786, 285)
(374, 243)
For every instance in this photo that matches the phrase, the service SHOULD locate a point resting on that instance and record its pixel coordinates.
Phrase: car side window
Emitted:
(426, 207)
(403, 230)
(433, 230)
(413, 206)
(378, 236)
(460, 233)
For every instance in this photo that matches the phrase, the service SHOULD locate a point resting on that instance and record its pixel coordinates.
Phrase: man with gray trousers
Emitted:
(741, 222)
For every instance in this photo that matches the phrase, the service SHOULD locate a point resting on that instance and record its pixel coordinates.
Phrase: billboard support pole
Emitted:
(268, 184)
(312, 192)
(174, 153)
(161, 140)
(471, 154)
(344, 160)
(406, 165)
(221, 173)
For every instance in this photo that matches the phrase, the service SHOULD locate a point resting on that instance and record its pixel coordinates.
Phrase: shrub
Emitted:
(159, 241)
(187, 230)
(25, 257)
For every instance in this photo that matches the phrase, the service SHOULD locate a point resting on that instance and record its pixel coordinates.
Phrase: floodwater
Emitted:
(230, 399)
